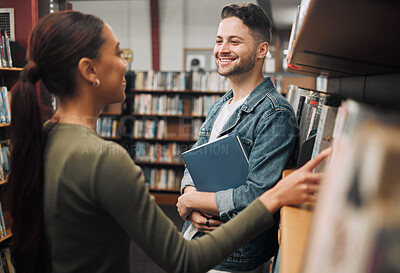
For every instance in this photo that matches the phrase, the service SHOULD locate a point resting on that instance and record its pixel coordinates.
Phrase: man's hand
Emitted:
(203, 222)
(194, 200)
(183, 205)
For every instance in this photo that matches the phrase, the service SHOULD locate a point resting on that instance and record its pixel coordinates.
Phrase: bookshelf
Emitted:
(162, 119)
(356, 57)
(8, 76)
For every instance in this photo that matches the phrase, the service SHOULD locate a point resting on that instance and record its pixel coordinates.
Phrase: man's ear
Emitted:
(262, 50)
(87, 70)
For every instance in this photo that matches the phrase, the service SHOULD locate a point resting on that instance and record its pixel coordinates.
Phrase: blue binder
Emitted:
(218, 165)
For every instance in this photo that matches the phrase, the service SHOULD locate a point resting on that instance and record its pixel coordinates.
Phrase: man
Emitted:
(263, 119)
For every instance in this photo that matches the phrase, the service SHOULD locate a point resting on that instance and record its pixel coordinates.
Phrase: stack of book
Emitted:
(3, 229)
(5, 261)
(4, 159)
(158, 129)
(161, 178)
(180, 81)
(107, 126)
(316, 113)
(5, 112)
(5, 50)
(158, 153)
(151, 104)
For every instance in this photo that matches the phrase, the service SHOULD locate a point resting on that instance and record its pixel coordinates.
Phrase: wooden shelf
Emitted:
(339, 39)
(160, 163)
(293, 233)
(186, 92)
(8, 236)
(113, 138)
(11, 69)
(159, 190)
(165, 198)
(168, 116)
(295, 225)
(3, 182)
(169, 139)
(5, 124)
(110, 114)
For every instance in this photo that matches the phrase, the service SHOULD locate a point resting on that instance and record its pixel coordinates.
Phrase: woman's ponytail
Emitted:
(29, 247)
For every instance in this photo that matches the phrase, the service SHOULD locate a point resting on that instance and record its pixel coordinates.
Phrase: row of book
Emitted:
(173, 104)
(179, 81)
(6, 265)
(158, 128)
(108, 126)
(5, 50)
(316, 113)
(4, 159)
(356, 226)
(5, 112)
(161, 178)
(3, 229)
(158, 153)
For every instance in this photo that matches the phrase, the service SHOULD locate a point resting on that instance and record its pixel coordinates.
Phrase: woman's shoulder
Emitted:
(81, 143)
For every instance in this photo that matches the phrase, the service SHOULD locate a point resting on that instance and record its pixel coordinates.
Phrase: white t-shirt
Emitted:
(223, 116)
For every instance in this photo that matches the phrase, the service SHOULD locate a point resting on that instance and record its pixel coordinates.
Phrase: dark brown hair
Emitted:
(56, 45)
(253, 16)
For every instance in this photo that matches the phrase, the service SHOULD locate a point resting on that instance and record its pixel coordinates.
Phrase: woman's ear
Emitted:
(87, 70)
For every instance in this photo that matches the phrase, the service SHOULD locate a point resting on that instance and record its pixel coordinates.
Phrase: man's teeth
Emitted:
(225, 60)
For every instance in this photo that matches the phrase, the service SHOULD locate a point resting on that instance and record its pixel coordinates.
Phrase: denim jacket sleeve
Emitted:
(274, 143)
(186, 180)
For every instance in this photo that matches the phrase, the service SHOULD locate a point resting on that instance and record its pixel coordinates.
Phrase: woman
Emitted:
(77, 200)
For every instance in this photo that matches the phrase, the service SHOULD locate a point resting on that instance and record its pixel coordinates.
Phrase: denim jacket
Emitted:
(268, 129)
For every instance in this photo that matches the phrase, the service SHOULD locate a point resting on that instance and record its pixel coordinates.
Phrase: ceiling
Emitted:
(281, 12)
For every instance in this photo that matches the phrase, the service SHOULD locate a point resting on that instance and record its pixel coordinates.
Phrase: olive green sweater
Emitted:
(95, 201)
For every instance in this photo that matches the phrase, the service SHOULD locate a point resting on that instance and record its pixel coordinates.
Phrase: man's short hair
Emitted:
(254, 17)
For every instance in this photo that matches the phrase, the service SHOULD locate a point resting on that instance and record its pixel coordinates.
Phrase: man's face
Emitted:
(235, 48)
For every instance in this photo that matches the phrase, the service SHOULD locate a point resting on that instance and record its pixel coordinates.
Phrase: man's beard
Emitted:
(244, 66)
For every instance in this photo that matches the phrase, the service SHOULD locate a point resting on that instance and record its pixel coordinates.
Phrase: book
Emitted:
(218, 165)
(324, 137)
(2, 223)
(306, 150)
(357, 207)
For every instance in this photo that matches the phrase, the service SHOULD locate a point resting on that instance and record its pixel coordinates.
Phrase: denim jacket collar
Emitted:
(257, 95)
(254, 98)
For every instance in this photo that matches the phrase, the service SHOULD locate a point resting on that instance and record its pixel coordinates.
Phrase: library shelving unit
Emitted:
(8, 77)
(108, 123)
(359, 59)
(165, 124)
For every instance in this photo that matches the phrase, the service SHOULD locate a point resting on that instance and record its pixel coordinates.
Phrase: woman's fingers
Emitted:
(311, 164)
(313, 178)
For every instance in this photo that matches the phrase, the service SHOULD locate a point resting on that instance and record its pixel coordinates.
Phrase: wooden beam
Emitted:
(155, 34)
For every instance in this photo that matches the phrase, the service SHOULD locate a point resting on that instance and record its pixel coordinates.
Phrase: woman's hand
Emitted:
(298, 187)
